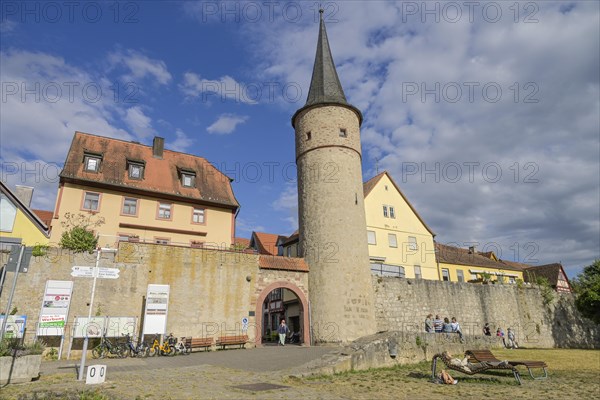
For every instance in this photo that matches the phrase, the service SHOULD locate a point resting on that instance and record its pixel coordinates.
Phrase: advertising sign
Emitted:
(157, 306)
(15, 325)
(55, 308)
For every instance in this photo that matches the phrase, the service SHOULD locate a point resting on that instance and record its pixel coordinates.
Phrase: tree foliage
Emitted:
(587, 287)
(79, 235)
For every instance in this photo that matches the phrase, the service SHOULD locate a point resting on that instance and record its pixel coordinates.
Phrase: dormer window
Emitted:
(135, 169)
(91, 162)
(188, 178)
(343, 132)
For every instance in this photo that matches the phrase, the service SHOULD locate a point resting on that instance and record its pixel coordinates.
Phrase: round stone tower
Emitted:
(333, 232)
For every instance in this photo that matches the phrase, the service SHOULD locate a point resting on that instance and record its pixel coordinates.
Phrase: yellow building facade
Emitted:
(18, 223)
(144, 194)
(400, 242)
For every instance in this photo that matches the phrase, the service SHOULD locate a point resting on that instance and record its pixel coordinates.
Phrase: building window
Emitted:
(511, 279)
(164, 210)
(198, 215)
(289, 251)
(392, 241)
(91, 201)
(161, 240)
(385, 211)
(445, 274)
(130, 206)
(392, 212)
(386, 188)
(381, 269)
(136, 170)
(188, 179)
(412, 243)
(474, 277)
(91, 162)
(343, 133)
(308, 135)
(418, 272)
(371, 238)
(460, 275)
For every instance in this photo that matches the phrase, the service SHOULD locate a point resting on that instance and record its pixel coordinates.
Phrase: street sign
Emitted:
(95, 272)
(82, 272)
(108, 273)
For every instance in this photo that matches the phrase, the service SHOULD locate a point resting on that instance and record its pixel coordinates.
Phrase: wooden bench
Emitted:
(239, 340)
(198, 343)
(486, 355)
(473, 369)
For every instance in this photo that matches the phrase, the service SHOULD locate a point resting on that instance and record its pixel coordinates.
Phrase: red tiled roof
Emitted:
(518, 265)
(241, 242)
(293, 238)
(45, 216)
(548, 271)
(161, 175)
(282, 263)
(266, 242)
(456, 255)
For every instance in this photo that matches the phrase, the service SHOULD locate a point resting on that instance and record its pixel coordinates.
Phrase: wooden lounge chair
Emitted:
(486, 355)
(472, 370)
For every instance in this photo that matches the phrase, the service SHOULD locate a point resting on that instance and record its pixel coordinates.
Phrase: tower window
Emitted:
(308, 135)
(343, 132)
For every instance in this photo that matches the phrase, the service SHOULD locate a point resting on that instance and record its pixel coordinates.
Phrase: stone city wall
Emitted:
(403, 304)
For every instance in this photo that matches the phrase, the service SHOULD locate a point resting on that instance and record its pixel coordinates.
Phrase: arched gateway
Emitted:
(303, 313)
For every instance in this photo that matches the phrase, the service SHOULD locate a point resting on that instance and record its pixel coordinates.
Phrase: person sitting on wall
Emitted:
(500, 333)
(486, 329)
(438, 324)
(429, 324)
(447, 327)
(512, 342)
(456, 328)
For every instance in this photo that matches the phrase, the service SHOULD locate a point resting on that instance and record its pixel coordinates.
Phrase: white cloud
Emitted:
(182, 143)
(139, 122)
(222, 89)
(7, 26)
(44, 97)
(288, 203)
(139, 66)
(226, 123)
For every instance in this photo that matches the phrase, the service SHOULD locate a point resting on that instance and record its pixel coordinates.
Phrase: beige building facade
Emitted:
(144, 194)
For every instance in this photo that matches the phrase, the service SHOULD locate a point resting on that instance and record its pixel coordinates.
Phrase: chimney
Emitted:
(24, 193)
(471, 249)
(158, 146)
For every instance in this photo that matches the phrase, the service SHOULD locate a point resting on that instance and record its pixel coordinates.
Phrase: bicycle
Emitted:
(180, 347)
(106, 347)
(166, 349)
(140, 350)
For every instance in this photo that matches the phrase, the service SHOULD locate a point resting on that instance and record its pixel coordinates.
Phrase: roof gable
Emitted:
(456, 255)
(31, 216)
(379, 180)
(265, 243)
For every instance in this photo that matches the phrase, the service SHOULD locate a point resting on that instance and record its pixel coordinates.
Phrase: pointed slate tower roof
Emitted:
(325, 86)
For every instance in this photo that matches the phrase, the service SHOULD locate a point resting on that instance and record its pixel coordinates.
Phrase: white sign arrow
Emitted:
(82, 272)
(108, 273)
(91, 272)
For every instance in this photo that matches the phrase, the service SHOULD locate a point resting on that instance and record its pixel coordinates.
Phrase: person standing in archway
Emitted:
(283, 331)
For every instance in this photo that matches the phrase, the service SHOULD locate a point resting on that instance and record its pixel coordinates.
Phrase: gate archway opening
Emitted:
(282, 300)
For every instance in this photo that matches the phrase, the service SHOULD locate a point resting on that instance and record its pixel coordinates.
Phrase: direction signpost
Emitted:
(93, 272)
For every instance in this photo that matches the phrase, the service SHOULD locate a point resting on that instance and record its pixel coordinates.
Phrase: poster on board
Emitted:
(15, 326)
(55, 308)
(157, 307)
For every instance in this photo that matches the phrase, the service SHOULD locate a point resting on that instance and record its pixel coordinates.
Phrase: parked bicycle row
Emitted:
(171, 346)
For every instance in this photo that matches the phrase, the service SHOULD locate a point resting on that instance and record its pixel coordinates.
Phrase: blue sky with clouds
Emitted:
(486, 113)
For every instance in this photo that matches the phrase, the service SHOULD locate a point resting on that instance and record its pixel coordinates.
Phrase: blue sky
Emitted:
(487, 117)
